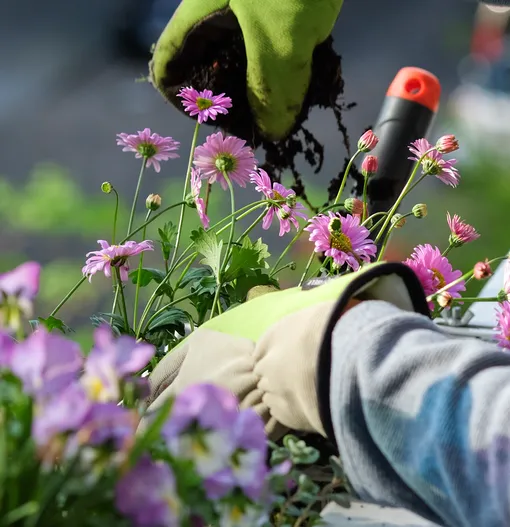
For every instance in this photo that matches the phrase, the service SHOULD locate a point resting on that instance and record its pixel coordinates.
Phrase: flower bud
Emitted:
(398, 221)
(445, 299)
(502, 296)
(420, 210)
(153, 201)
(369, 166)
(368, 141)
(106, 187)
(447, 143)
(353, 205)
(482, 270)
(335, 225)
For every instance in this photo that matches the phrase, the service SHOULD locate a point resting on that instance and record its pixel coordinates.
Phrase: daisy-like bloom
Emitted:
(447, 143)
(227, 154)
(434, 271)
(204, 103)
(461, 232)
(433, 163)
(196, 185)
(342, 238)
(113, 256)
(503, 325)
(290, 209)
(482, 270)
(368, 141)
(152, 147)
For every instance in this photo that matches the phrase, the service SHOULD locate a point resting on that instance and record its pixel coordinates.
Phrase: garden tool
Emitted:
(278, 41)
(273, 352)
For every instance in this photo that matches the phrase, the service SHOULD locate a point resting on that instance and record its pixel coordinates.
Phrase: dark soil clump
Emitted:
(213, 57)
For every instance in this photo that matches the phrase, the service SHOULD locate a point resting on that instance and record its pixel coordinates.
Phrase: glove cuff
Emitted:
(419, 305)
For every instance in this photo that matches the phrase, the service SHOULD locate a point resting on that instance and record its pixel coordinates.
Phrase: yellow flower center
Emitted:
(236, 514)
(199, 447)
(277, 196)
(440, 277)
(203, 104)
(341, 242)
(95, 388)
(147, 150)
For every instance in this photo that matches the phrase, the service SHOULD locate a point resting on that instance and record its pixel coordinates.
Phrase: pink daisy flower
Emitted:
(503, 325)
(196, 185)
(151, 147)
(433, 164)
(461, 232)
(342, 238)
(225, 154)
(434, 271)
(204, 103)
(287, 212)
(113, 256)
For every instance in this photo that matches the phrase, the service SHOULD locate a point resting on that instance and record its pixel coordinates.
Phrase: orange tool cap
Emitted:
(415, 84)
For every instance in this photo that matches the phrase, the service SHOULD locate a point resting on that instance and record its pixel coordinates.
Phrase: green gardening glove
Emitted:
(279, 38)
(272, 352)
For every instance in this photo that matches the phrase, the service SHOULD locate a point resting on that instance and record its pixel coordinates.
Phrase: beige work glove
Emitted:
(266, 351)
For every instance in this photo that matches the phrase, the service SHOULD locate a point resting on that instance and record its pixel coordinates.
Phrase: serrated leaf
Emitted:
(173, 319)
(167, 236)
(208, 245)
(245, 258)
(195, 274)
(147, 275)
(52, 323)
(206, 285)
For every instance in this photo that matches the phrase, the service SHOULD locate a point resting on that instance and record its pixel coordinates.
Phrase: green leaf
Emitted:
(206, 285)
(52, 323)
(194, 274)
(147, 275)
(246, 282)
(173, 319)
(245, 258)
(208, 245)
(343, 499)
(167, 236)
(20, 513)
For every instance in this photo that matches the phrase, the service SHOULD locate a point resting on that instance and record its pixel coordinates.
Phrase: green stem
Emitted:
(448, 249)
(229, 245)
(476, 299)
(344, 178)
(68, 296)
(365, 204)
(185, 193)
(122, 299)
(163, 309)
(115, 215)
(377, 223)
(139, 275)
(135, 198)
(286, 250)
(282, 268)
(252, 226)
(184, 271)
(387, 237)
(307, 268)
(405, 190)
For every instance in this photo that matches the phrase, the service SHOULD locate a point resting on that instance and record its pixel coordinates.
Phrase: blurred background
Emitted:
(71, 77)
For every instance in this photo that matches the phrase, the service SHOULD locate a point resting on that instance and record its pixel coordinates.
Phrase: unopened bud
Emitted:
(335, 225)
(502, 296)
(447, 143)
(106, 187)
(420, 210)
(445, 299)
(353, 205)
(482, 270)
(369, 166)
(153, 201)
(398, 221)
(368, 141)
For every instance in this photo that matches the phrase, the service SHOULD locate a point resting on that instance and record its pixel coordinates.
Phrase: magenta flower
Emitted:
(113, 256)
(434, 271)
(368, 141)
(289, 210)
(18, 289)
(196, 185)
(221, 154)
(147, 495)
(461, 232)
(447, 143)
(46, 363)
(204, 103)
(433, 164)
(7, 348)
(152, 147)
(342, 238)
(503, 325)
(110, 361)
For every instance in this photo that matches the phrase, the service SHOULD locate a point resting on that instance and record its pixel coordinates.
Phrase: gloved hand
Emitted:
(273, 351)
(279, 39)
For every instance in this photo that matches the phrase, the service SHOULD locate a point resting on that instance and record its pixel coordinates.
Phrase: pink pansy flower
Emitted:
(433, 164)
(503, 325)
(152, 147)
(225, 154)
(19, 287)
(113, 256)
(204, 103)
(289, 210)
(434, 271)
(342, 238)
(196, 185)
(461, 232)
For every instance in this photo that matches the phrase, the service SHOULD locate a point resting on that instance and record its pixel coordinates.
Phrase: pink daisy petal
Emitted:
(204, 103)
(503, 325)
(434, 163)
(461, 232)
(196, 185)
